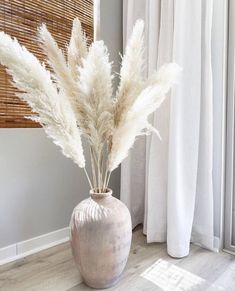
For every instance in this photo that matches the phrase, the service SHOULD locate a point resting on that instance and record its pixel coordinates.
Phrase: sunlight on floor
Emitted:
(169, 277)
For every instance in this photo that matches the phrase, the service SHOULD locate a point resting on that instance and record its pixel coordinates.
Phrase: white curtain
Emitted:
(167, 184)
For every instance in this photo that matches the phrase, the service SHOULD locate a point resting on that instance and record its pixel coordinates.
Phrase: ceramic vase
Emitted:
(100, 239)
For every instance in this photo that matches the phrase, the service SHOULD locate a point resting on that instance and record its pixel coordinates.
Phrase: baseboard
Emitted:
(31, 246)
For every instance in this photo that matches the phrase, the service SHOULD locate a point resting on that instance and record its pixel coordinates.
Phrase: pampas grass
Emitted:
(131, 73)
(63, 73)
(77, 99)
(96, 90)
(77, 48)
(55, 112)
(135, 121)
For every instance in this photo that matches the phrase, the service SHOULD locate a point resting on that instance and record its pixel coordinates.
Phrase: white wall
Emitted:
(38, 186)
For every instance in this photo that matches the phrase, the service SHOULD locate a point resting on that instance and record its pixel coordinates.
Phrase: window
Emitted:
(20, 19)
(229, 223)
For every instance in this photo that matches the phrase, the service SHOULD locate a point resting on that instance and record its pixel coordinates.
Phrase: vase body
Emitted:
(100, 239)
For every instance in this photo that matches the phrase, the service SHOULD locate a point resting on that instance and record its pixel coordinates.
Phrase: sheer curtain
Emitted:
(167, 184)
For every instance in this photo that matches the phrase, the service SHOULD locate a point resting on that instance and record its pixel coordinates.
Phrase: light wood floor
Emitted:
(149, 268)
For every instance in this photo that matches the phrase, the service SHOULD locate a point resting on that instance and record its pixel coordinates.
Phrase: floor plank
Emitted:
(149, 268)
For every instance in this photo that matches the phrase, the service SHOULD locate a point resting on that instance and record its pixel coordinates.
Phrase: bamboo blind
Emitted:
(20, 19)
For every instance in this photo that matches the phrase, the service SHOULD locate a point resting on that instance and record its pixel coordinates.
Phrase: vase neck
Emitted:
(96, 195)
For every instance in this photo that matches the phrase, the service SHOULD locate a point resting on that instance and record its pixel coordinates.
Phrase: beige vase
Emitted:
(100, 239)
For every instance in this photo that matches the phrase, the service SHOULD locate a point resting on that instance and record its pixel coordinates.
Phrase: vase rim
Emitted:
(101, 195)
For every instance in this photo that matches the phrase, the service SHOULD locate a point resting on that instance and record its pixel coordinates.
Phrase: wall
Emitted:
(111, 30)
(38, 186)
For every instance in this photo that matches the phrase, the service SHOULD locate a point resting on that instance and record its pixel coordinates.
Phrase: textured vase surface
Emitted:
(100, 238)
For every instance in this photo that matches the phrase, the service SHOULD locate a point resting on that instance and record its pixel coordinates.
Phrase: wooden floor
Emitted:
(149, 268)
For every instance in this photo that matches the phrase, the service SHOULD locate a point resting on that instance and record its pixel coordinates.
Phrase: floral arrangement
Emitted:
(77, 100)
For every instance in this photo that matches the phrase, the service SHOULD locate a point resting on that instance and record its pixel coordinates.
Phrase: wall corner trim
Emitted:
(34, 245)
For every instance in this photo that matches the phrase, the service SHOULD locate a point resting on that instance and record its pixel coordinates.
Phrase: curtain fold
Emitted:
(167, 184)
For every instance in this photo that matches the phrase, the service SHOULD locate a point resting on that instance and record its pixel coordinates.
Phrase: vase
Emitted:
(100, 238)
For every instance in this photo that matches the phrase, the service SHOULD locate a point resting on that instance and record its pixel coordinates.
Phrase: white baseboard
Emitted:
(36, 244)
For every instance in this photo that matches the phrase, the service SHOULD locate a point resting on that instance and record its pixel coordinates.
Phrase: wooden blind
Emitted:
(20, 19)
